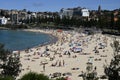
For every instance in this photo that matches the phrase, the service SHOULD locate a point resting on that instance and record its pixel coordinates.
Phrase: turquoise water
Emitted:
(20, 40)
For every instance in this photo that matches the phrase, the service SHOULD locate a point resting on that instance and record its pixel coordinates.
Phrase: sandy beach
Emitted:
(68, 55)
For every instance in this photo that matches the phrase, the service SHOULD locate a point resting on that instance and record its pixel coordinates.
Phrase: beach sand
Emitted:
(35, 58)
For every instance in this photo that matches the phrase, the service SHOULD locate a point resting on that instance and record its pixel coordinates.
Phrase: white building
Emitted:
(33, 15)
(66, 13)
(74, 12)
(3, 20)
(85, 13)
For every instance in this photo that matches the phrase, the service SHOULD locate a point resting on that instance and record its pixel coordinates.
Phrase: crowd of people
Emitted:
(72, 50)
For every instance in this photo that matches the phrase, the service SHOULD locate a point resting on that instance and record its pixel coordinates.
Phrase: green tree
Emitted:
(6, 78)
(62, 78)
(112, 21)
(118, 24)
(113, 70)
(34, 76)
(90, 73)
(56, 20)
(10, 63)
(3, 53)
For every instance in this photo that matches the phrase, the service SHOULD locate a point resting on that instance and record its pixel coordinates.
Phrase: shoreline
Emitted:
(3, 28)
(53, 38)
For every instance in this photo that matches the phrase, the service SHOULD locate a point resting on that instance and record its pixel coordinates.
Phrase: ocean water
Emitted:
(20, 40)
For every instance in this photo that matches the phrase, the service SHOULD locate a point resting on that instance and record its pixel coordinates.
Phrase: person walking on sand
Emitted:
(44, 67)
(59, 63)
(63, 63)
(69, 54)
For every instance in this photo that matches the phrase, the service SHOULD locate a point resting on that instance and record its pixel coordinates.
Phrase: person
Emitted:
(43, 67)
(95, 72)
(95, 68)
(69, 54)
(83, 75)
(59, 63)
(63, 63)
